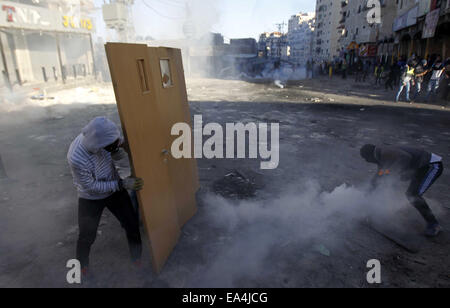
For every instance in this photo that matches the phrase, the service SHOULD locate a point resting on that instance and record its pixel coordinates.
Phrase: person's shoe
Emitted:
(137, 263)
(86, 276)
(433, 230)
(85, 272)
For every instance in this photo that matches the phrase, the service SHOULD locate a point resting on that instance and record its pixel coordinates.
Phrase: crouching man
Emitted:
(417, 166)
(99, 186)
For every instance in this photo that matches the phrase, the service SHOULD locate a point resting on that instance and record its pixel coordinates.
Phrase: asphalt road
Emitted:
(303, 229)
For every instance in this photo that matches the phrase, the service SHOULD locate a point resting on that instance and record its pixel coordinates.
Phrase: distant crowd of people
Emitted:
(410, 76)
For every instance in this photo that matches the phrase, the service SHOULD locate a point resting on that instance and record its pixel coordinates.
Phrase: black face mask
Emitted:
(112, 148)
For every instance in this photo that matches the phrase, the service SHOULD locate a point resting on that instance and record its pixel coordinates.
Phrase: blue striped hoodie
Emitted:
(93, 170)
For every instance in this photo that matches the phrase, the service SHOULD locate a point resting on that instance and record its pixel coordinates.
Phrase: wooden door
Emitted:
(173, 105)
(134, 85)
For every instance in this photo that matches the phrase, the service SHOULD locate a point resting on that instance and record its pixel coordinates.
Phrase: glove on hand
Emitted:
(132, 183)
(119, 155)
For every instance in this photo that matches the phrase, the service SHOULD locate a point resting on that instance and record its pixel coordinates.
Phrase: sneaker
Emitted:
(137, 263)
(87, 277)
(433, 230)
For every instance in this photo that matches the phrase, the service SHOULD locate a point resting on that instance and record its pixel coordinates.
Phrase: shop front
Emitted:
(39, 45)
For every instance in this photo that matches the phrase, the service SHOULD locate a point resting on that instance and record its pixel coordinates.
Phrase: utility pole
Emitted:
(281, 27)
(281, 31)
(189, 32)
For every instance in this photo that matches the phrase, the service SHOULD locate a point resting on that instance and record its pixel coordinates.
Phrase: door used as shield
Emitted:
(151, 96)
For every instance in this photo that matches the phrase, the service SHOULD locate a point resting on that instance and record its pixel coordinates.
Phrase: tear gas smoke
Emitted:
(304, 216)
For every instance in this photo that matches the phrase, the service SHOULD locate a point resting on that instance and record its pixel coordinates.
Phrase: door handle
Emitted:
(165, 153)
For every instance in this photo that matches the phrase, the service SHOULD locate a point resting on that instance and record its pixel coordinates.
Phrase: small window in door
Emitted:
(143, 76)
(165, 73)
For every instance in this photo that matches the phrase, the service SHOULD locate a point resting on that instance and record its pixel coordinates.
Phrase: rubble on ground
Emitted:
(235, 185)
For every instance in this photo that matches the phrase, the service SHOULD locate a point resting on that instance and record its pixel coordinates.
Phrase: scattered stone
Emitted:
(323, 250)
(235, 185)
(72, 230)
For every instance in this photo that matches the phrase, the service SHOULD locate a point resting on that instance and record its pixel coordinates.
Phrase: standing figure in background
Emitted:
(308, 69)
(344, 69)
(366, 70)
(330, 69)
(437, 69)
(407, 78)
(446, 86)
(419, 74)
(359, 71)
(379, 70)
(391, 77)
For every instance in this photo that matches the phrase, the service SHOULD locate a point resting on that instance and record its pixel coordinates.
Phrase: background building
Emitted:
(300, 37)
(326, 32)
(422, 28)
(359, 38)
(274, 45)
(45, 41)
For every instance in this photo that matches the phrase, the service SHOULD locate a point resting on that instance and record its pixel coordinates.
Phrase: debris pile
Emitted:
(235, 185)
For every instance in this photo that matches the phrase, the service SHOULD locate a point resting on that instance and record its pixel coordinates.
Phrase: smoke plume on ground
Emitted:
(253, 234)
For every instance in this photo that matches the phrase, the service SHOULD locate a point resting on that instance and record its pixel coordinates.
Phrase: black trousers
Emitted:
(422, 181)
(388, 83)
(89, 214)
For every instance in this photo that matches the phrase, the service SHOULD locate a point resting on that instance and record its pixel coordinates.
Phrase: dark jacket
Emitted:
(403, 161)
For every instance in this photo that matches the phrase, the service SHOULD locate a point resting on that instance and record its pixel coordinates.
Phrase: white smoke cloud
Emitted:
(304, 216)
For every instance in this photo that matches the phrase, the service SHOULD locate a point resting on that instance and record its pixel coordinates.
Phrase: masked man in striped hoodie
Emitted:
(92, 161)
(420, 168)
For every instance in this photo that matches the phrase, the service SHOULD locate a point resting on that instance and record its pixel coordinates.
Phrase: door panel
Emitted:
(174, 108)
(143, 126)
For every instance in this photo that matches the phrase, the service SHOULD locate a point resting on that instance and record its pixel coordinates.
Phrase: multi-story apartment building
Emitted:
(361, 35)
(422, 27)
(326, 34)
(273, 45)
(300, 37)
(46, 41)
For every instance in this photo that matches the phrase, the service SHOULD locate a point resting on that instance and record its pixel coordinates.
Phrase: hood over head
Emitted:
(99, 133)
(368, 153)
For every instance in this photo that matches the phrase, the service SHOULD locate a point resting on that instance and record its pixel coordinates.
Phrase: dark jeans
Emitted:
(89, 214)
(389, 83)
(422, 181)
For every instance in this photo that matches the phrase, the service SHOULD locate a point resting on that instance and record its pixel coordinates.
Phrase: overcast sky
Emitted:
(163, 19)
